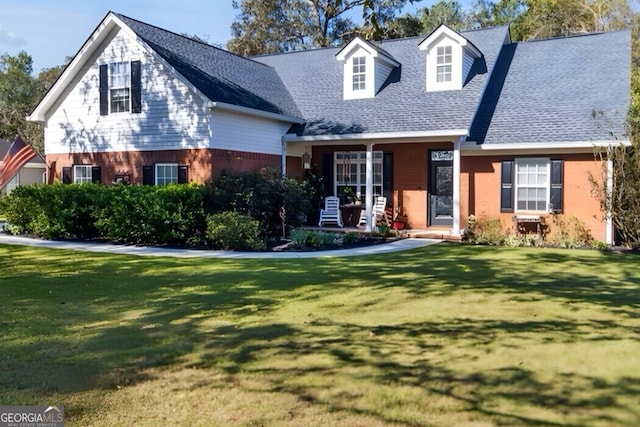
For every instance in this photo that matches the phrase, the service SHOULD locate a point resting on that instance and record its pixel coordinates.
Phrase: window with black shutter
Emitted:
(147, 175)
(67, 177)
(556, 186)
(96, 175)
(120, 87)
(506, 186)
(183, 177)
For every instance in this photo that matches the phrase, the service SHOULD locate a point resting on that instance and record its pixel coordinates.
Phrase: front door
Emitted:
(440, 187)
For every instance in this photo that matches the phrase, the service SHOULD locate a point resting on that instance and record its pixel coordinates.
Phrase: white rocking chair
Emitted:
(331, 212)
(378, 213)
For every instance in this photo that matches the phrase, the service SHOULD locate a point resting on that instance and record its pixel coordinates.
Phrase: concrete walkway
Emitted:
(398, 245)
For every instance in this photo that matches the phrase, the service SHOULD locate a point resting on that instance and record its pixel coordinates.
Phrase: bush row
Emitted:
(234, 211)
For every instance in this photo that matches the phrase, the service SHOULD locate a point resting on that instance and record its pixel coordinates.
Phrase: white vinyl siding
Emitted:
(532, 185)
(467, 63)
(174, 116)
(383, 70)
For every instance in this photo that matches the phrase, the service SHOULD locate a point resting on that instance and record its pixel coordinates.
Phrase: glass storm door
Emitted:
(440, 187)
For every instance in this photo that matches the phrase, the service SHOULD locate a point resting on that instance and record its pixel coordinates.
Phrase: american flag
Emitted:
(18, 155)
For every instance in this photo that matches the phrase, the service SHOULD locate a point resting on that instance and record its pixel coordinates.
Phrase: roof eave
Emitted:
(453, 135)
(109, 22)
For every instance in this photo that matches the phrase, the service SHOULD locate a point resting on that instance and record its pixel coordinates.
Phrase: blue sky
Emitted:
(51, 30)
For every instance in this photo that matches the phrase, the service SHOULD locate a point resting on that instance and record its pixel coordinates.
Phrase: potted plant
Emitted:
(399, 221)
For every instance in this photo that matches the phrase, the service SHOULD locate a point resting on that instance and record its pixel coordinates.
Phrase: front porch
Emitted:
(436, 233)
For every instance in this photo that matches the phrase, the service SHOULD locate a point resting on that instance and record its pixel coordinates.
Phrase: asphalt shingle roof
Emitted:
(218, 74)
(547, 90)
(315, 80)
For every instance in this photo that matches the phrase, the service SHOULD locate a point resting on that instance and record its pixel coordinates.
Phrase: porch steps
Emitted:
(433, 233)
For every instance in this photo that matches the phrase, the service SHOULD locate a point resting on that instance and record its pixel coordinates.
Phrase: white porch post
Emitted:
(609, 186)
(455, 229)
(368, 199)
(283, 160)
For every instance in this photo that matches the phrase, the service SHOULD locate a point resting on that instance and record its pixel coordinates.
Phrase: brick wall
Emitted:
(203, 164)
(480, 190)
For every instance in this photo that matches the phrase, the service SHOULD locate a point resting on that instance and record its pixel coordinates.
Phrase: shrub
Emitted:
(233, 230)
(570, 232)
(136, 214)
(54, 211)
(315, 239)
(261, 195)
(485, 231)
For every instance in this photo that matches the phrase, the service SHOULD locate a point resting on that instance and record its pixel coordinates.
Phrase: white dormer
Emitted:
(366, 68)
(450, 57)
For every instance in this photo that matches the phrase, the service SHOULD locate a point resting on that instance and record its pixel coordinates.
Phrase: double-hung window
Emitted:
(444, 64)
(532, 184)
(166, 173)
(82, 174)
(359, 73)
(120, 86)
(350, 175)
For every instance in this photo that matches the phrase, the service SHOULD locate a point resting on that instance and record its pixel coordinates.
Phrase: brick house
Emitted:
(445, 126)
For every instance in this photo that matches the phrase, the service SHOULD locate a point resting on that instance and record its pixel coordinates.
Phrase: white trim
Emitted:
(455, 227)
(155, 172)
(470, 148)
(524, 160)
(609, 237)
(445, 31)
(369, 48)
(253, 112)
(445, 134)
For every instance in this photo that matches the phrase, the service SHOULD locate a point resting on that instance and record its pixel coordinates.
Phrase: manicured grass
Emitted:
(445, 335)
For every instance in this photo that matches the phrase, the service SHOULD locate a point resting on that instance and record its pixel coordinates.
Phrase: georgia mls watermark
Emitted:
(31, 416)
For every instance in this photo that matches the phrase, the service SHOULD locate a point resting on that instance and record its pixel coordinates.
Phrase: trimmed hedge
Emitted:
(124, 214)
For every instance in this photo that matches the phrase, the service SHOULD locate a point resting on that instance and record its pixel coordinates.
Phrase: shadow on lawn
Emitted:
(136, 314)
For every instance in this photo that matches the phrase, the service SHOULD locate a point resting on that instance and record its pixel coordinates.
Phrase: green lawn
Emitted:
(447, 335)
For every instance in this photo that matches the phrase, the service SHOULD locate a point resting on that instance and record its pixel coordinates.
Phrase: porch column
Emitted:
(283, 159)
(609, 189)
(368, 199)
(455, 228)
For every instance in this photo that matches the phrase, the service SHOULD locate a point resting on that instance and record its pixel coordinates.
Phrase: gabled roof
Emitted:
(219, 75)
(315, 80)
(367, 46)
(547, 90)
(445, 31)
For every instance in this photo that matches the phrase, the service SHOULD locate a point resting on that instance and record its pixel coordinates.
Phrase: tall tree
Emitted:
(270, 26)
(19, 92)
(486, 13)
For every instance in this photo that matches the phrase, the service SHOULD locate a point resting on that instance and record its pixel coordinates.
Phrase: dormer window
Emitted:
(443, 71)
(366, 68)
(359, 73)
(449, 61)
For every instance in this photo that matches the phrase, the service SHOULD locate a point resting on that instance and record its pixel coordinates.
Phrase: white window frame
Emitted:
(444, 64)
(538, 163)
(164, 180)
(359, 73)
(82, 174)
(120, 87)
(349, 171)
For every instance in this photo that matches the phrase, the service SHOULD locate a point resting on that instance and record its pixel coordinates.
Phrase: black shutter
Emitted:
(506, 186)
(147, 175)
(327, 173)
(387, 176)
(104, 91)
(96, 176)
(136, 88)
(556, 186)
(66, 176)
(183, 174)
